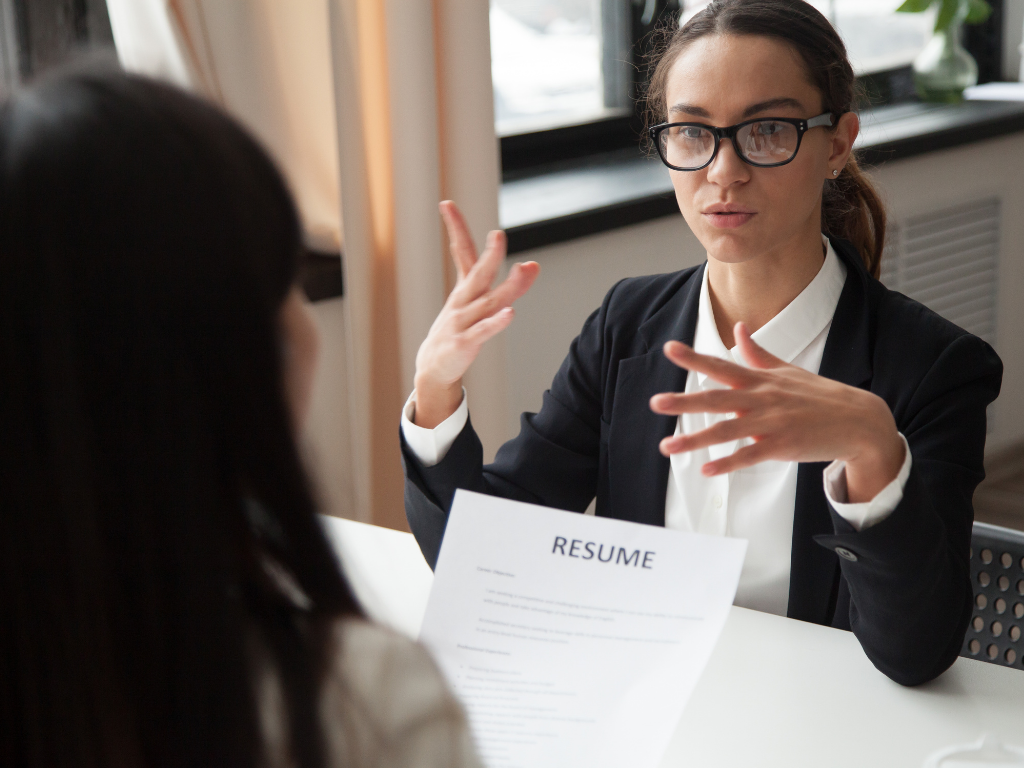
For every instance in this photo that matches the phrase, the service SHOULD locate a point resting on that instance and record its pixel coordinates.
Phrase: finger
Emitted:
(479, 333)
(713, 401)
(747, 456)
(518, 282)
(528, 271)
(477, 281)
(754, 355)
(722, 371)
(460, 240)
(722, 432)
(483, 272)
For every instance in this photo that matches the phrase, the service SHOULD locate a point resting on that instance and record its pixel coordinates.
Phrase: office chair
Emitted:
(997, 573)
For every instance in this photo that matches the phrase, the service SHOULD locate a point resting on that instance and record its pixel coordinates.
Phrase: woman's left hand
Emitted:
(790, 414)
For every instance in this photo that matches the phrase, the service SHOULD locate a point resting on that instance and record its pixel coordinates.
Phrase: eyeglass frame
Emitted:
(824, 120)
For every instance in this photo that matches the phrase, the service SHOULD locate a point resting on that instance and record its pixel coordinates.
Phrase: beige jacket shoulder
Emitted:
(385, 703)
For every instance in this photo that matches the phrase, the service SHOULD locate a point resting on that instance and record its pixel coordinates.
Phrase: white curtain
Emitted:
(267, 62)
(387, 106)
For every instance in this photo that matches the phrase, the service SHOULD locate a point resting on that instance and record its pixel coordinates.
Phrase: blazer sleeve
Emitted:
(553, 461)
(910, 592)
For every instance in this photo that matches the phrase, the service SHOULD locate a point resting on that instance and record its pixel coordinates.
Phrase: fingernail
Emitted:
(707, 470)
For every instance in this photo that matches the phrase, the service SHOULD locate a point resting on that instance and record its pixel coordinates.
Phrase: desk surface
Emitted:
(777, 692)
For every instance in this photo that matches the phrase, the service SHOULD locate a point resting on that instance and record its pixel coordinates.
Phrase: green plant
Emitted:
(970, 11)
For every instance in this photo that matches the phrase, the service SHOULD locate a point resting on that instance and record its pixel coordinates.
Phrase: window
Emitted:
(566, 72)
(558, 62)
(877, 38)
(565, 75)
(38, 34)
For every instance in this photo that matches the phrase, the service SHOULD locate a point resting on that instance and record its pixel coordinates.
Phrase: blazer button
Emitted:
(846, 554)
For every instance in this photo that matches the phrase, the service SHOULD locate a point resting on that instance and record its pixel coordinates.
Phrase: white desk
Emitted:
(776, 692)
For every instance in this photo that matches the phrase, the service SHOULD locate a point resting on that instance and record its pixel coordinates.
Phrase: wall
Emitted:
(1013, 32)
(940, 180)
(576, 275)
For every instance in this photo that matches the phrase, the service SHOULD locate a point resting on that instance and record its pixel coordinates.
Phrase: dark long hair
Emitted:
(148, 472)
(851, 208)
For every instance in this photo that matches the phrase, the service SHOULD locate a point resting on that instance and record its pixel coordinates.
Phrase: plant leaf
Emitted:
(947, 12)
(915, 6)
(978, 12)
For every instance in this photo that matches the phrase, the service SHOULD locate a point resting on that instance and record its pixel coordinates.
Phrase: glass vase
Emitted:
(944, 68)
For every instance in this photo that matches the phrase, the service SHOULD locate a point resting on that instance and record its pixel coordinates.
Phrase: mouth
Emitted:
(727, 215)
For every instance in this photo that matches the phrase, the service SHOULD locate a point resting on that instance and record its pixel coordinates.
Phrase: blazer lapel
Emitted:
(638, 473)
(814, 570)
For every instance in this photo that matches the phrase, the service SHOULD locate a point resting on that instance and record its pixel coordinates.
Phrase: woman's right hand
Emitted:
(473, 313)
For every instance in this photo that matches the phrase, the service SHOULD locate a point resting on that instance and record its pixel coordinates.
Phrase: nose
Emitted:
(727, 168)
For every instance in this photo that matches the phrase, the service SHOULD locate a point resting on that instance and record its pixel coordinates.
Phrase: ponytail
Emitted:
(852, 210)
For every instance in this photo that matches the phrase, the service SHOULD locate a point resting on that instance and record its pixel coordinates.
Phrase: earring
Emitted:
(835, 173)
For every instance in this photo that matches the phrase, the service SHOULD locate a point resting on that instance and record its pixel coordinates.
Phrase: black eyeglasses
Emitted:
(766, 142)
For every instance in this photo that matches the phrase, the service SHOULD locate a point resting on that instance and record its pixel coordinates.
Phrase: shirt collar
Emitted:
(788, 333)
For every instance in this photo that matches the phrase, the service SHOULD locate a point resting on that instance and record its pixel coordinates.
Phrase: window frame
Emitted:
(36, 35)
(522, 154)
(528, 154)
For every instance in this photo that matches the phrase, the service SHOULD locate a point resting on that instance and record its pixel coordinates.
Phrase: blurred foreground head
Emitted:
(149, 481)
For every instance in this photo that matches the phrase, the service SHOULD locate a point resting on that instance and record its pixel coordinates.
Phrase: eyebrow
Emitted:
(689, 109)
(753, 109)
(772, 104)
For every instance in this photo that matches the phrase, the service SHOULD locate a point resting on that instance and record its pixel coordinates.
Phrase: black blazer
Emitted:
(908, 594)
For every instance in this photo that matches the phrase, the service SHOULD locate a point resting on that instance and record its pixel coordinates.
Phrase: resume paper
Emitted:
(574, 640)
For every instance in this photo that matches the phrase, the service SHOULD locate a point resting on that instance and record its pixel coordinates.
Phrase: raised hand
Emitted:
(473, 313)
(789, 413)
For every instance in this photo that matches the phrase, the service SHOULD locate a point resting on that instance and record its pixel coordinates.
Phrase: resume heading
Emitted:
(585, 550)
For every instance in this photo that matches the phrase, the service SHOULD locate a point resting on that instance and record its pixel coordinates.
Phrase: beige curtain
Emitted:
(386, 105)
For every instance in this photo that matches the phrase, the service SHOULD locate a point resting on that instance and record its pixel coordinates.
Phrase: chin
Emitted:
(730, 247)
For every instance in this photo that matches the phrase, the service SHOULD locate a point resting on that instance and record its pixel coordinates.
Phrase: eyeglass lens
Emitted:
(765, 142)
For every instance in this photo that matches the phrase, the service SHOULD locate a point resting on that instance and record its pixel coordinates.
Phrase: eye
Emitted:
(690, 132)
(767, 128)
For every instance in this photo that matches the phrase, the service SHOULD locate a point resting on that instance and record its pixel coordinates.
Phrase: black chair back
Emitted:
(997, 572)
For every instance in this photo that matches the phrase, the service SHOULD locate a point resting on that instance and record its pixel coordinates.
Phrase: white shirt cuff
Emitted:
(868, 513)
(431, 445)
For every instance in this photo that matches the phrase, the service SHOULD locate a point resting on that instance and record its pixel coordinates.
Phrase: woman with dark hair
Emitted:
(167, 596)
(778, 393)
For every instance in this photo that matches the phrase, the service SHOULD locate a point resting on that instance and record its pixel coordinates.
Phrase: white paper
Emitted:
(574, 654)
(385, 569)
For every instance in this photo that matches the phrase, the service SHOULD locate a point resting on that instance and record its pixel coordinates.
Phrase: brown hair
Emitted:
(851, 208)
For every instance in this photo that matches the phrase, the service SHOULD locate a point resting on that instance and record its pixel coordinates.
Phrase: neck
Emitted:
(755, 290)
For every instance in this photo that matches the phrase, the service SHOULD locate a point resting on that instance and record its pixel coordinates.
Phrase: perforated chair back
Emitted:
(997, 572)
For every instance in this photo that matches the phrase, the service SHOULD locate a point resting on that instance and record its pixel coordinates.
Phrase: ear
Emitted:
(843, 137)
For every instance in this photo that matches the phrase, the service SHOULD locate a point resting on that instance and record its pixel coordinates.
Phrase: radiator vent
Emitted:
(947, 260)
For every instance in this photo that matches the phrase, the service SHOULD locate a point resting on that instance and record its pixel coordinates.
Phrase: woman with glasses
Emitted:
(778, 393)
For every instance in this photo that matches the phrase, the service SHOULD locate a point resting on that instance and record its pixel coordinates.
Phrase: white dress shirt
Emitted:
(756, 503)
